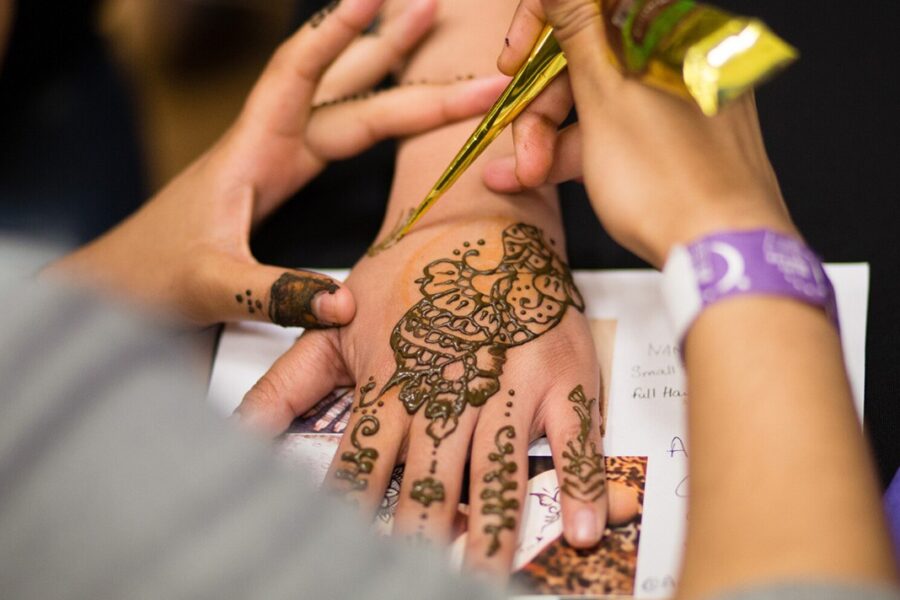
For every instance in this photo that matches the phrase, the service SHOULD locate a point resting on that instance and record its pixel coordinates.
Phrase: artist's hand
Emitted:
(658, 171)
(187, 249)
(469, 336)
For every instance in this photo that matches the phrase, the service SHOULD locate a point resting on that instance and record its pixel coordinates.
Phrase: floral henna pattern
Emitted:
(451, 346)
(585, 469)
(428, 490)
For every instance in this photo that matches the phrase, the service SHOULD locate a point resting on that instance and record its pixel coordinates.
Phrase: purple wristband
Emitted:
(728, 264)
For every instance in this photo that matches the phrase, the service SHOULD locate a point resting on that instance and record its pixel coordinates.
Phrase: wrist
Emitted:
(691, 227)
(733, 264)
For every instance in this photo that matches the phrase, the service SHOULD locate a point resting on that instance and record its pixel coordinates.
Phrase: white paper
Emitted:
(645, 412)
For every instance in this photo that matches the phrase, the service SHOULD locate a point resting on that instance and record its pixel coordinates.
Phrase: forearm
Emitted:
(782, 485)
(461, 46)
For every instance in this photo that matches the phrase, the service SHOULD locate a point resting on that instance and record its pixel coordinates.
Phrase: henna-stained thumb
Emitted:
(298, 299)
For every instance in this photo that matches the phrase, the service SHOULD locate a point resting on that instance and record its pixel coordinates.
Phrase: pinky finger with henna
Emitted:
(573, 430)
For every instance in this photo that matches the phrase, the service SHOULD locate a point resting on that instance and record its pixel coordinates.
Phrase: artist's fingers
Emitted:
(285, 90)
(579, 29)
(500, 174)
(302, 376)
(432, 479)
(535, 132)
(499, 476)
(225, 288)
(370, 58)
(362, 466)
(527, 23)
(340, 131)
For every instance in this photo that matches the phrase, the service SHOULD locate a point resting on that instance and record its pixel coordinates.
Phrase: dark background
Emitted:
(830, 123)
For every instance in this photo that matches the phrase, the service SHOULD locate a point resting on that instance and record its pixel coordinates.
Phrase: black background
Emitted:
(831, 128)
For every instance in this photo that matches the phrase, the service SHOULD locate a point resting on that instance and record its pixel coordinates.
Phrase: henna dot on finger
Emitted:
(252, 305)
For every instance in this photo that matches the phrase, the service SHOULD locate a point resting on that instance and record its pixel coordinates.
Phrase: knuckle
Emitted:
(570, 17)
(267, 390)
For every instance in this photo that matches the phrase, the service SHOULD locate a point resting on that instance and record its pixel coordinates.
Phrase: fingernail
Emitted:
(301, 300)
(325, 307)
(585, 527)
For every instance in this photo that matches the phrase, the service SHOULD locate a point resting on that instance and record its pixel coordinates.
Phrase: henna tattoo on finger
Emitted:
(253, 305)
(502, 480)
(291, 299)
(428, 490)
(361, 460)
(319, 16)
(585, 467)
(366, 94)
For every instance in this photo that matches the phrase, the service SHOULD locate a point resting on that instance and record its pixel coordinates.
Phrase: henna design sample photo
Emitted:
(607, 570)
(330, 415)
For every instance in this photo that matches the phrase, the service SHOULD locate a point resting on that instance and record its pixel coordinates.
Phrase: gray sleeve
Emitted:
(115, 481)
(812, 591)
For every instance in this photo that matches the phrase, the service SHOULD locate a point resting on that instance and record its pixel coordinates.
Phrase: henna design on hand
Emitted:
(585, 465)
(428, 490)
(362, 461)
(496, 503)
(291, 297)
(450, 347)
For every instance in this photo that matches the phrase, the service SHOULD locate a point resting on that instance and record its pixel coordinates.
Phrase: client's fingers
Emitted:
(499, 475)
(432, 479)
(285, 90)
(340, 131)
(370, 58)
(579, 29)
(229, 289)
(573, 429)
(300, 377)
(365, 459)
